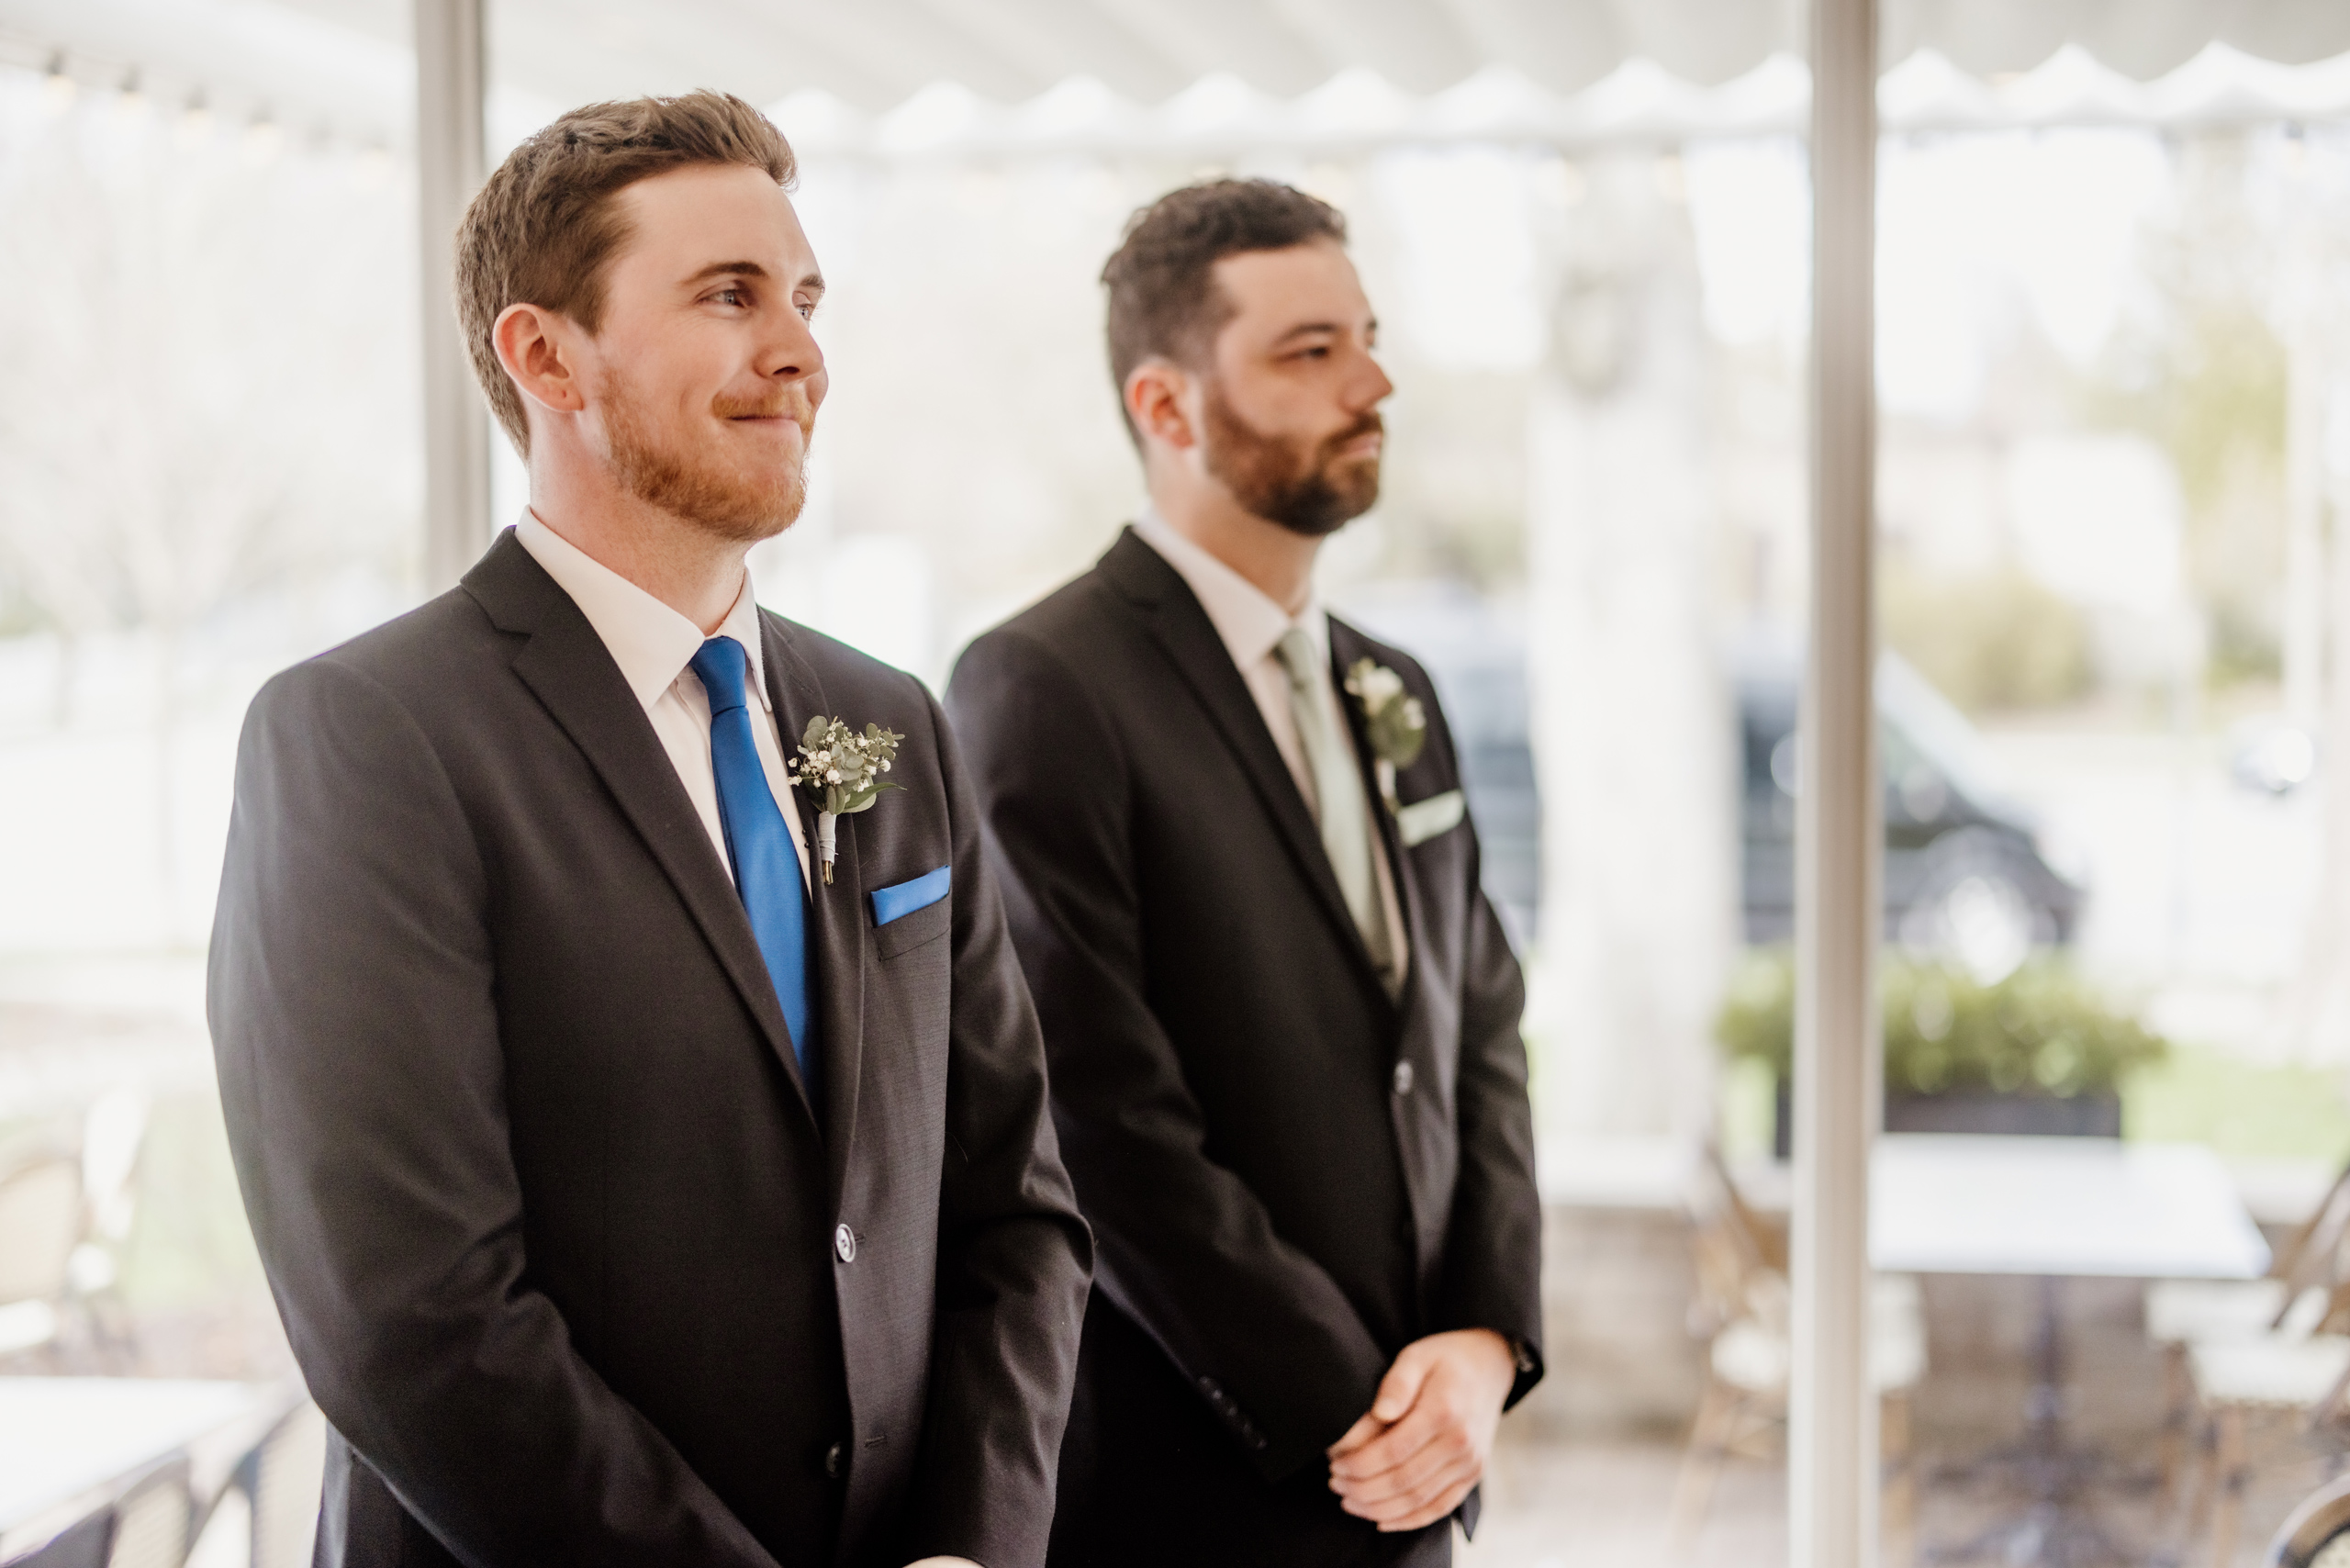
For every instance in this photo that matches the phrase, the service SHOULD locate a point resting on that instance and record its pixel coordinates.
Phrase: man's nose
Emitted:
(793, 355)
(1370, 386)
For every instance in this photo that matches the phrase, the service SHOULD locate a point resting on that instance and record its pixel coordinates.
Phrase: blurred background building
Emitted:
(2114, 373)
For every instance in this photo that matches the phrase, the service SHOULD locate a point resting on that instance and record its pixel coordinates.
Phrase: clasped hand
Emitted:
(1422, 1444)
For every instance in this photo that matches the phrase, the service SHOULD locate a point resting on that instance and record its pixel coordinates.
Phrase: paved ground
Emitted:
(1604, 1505)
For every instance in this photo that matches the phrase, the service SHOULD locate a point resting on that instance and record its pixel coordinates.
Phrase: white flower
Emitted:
(833, 776)
(1378, 687)
(885, 765)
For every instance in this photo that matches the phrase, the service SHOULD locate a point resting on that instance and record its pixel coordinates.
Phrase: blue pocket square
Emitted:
(892, 904)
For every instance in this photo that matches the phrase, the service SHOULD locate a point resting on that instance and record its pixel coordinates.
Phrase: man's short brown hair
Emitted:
(1163, 299)
(546, 224)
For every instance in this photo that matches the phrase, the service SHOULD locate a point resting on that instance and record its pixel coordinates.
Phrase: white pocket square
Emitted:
(1423, 820)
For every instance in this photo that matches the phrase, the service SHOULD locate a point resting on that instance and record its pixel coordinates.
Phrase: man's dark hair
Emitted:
(1163, 299)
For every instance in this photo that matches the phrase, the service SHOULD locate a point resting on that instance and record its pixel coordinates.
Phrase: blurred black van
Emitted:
(1966, 874)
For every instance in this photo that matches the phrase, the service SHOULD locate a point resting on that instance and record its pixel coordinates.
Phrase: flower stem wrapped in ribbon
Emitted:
(843, 770)
(1392, 717)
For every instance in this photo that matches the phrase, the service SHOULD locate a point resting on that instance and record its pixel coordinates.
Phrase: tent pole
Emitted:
(449, 83)
(1833, 1436)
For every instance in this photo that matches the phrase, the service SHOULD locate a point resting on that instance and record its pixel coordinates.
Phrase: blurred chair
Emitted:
(2317, 1533)
(145, 1526)
(2290, 1296)
(265, 1515)
(40, 1224)
(2299, 1372)
(256, 1506)
(1740, 1311)
(114, 1136)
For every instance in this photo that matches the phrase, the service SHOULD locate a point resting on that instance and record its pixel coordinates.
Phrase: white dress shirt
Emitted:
(652, 645)
(1251, 626)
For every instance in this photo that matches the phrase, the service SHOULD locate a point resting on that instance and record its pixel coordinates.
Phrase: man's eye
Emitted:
(732, 296)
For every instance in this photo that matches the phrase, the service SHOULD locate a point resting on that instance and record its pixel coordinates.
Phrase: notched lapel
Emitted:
(1184, 633)
(1347, 646)
(572, 672)
(837, 912)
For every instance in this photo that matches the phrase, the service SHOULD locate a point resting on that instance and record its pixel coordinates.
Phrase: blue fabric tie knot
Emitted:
(766, 864)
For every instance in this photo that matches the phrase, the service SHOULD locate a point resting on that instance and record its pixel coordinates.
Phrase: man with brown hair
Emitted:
(1282, 1018)
(644, 1127)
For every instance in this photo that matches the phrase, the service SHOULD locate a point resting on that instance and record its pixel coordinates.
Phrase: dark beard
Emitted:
(734, 507)
(1279, 479)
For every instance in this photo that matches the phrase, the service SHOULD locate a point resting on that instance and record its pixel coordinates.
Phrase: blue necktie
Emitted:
(767, 867)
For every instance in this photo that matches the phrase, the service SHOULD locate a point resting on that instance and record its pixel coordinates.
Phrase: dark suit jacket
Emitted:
(1290, 1175)
(551, 1222)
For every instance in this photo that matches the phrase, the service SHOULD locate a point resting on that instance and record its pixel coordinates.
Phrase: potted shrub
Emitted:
(2037, 1052)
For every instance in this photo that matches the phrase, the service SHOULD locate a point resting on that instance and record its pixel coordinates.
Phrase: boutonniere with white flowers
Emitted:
(1392, 717)
(843, 770)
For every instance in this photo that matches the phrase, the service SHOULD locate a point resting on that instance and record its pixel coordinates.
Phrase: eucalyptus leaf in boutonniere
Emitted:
(843, 770)
(1392, 717)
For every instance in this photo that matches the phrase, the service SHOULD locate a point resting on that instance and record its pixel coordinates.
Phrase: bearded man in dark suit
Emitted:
(643, 1125)
(1280, 1014)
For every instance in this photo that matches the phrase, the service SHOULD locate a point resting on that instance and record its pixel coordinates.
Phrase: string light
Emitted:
(1672, 182)
(58, 89)
(1561, 181)
(263, 139)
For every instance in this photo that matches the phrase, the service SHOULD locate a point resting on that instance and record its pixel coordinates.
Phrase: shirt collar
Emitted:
(650, 642)
(1246, 618)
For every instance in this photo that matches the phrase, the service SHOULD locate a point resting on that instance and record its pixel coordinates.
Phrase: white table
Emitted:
(2050, 1206)
(2055, 1207)
(68, 1445)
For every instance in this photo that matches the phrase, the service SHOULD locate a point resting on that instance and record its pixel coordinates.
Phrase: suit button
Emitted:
(835, 1457)
(845, 1243)
(1403, 1078)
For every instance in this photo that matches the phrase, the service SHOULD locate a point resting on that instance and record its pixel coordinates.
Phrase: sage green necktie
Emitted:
(1339, 798)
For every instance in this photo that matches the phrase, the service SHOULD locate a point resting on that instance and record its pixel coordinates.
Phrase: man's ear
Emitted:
(1157, 393)
(534, 346)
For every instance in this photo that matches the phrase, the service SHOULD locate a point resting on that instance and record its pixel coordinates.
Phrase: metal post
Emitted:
(450, 159)
(1831, 1435)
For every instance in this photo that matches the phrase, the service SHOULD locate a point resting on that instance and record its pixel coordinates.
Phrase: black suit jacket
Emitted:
(573, 1266)
(1290, 1175)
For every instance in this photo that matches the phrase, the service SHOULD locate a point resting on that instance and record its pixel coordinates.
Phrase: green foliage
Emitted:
(2200, 367)
(2039, 1031)
(1998, 641)
(2249, 1110)
(2211, 388)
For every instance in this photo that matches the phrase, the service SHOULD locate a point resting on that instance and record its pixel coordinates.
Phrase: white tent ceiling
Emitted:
(1103, 72)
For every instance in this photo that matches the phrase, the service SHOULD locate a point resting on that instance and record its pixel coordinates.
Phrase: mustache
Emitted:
(1370, 424)
(790, 404)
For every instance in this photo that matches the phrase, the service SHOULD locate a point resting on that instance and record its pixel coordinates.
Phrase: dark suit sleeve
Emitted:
(1493, 1269)
(1491, 1274)
(1185, 1248)
(1013, 1254)
(353, 1012)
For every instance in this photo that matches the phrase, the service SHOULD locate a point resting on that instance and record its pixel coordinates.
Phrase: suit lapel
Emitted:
(1188, 637)
(836, 927)
(573, 675)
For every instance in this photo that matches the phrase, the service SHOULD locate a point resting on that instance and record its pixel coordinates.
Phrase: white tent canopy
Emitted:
(917, 77)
